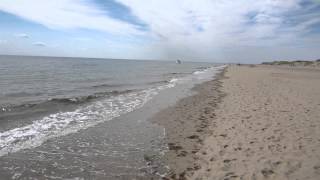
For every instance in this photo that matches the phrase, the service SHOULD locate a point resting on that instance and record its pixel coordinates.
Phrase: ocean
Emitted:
(86, 118)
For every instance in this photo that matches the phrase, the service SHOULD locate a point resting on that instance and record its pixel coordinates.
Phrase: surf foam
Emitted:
(64, 123)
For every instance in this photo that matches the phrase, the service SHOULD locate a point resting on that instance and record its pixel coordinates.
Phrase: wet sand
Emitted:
(187, 125)
(259, 122)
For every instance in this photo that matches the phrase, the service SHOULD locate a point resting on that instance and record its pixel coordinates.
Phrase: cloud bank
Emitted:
(22, 35)
(221, 29)
(65, 14)
(211, 30)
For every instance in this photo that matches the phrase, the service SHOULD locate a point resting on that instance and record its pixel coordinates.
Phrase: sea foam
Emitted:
(64, 123)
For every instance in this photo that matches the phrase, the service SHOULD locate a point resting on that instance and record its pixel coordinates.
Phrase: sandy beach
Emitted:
(260, 122)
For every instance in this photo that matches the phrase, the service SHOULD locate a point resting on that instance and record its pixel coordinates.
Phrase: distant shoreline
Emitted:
(107, 58)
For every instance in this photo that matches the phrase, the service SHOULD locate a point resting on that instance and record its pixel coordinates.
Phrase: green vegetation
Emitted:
(307, 63)
(292, 63)
(279, 63)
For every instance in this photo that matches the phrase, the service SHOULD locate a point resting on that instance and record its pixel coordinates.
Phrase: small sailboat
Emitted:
(178, 61)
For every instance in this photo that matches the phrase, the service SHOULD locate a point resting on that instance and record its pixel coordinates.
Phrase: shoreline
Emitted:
(186, 124)
(251, 122)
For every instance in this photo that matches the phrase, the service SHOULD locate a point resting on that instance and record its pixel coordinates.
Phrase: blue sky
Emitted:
(202, 30)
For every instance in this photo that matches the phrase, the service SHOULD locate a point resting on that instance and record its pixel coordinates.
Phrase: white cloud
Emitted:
(220, 28)
(66, 14)
(22, 35)
(41, 44)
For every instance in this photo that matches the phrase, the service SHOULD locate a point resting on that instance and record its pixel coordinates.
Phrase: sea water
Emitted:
(74, 117)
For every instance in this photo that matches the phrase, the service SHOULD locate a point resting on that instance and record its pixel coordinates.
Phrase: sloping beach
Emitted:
(259, 122)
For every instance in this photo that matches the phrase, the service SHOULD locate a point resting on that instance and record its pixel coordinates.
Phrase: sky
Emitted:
(246, 31)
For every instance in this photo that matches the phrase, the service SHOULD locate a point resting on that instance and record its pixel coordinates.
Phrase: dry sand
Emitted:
(258, 122)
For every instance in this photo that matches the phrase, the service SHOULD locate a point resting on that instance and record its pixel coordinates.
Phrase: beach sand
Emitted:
(260, 122)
